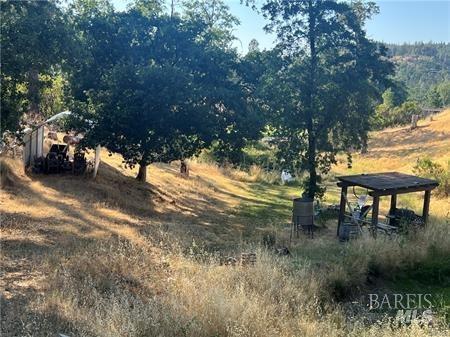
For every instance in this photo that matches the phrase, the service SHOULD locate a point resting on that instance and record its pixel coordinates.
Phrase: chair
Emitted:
(355, 220)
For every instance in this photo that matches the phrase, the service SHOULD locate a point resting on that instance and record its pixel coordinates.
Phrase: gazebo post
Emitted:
(375, 208)
(426, 206)
(342, 207)
(393, 203)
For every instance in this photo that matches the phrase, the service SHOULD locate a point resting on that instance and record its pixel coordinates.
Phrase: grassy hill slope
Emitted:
(113, 257)
(399, 148)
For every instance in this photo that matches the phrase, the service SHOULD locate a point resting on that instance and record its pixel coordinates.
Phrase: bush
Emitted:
(425, 167)
(387, 116)
(260, 154)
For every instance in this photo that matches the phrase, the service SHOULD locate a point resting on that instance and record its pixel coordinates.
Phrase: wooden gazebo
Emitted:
(383, 184)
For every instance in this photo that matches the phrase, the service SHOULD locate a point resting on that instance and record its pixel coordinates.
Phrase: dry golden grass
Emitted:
(397, 149)
(114, 257)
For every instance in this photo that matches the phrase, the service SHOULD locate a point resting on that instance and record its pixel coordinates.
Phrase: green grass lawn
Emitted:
(268, 203)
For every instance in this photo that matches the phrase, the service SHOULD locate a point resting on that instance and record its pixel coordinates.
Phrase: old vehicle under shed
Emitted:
(45, 152)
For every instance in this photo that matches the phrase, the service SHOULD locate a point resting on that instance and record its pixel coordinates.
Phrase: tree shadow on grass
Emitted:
(27, 244)
(270, 204)
(140, 205)
(68, 222)
(20, 318)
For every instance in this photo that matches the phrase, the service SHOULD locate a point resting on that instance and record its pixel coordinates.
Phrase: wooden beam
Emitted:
(342, 208)
(342, 184)
(402, 190)
(426, 206)
(375, 208)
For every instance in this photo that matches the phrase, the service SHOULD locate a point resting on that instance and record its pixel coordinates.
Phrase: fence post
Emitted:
(414, 119)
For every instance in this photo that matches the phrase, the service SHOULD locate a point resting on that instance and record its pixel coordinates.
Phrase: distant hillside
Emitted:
(421, 66)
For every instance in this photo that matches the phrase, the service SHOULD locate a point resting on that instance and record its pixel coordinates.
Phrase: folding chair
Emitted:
(357, 218)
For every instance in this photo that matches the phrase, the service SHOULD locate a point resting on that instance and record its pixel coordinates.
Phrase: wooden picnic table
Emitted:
(383, 184)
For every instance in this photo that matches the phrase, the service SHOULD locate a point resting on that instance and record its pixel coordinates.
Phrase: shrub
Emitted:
(425, 167)
(387, 116)
(260, 154)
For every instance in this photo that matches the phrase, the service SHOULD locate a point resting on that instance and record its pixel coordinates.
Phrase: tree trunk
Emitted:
(142, 174)
(33, 91)
(184, 169)
(312, 185)
(364, 146)
(312, 143)
(172, 9)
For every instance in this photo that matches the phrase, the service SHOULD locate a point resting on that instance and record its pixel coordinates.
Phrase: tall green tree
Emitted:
(434, 98)
(249, 119)
(444, 91)
(35, 40)
(323, 87)
(93, 22)
(245, 125)
(150, 8)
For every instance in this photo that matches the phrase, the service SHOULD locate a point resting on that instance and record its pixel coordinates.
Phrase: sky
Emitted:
(399, 21)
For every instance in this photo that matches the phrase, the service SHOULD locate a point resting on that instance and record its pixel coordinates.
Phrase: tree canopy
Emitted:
(156, 89)
(35, 40)
(324, 82)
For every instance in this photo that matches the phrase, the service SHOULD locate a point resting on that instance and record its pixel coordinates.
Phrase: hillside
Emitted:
(114, 257)
(421, 66)
(399, 148)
